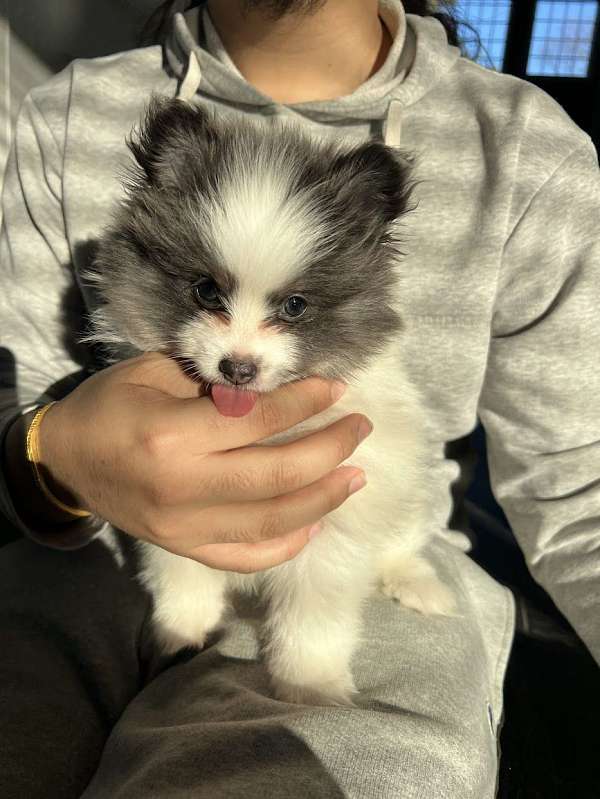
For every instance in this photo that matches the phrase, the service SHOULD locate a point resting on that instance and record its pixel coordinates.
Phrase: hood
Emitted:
(418, 59)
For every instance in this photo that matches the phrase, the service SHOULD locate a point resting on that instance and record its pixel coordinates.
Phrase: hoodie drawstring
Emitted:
(191, 82)
(392, 126)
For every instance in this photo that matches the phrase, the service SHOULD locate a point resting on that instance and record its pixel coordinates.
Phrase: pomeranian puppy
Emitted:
(262, 254)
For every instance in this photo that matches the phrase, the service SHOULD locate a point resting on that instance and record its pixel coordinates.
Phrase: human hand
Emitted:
(140, 446)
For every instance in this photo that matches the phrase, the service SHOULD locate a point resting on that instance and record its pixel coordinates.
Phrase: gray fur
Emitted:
(150, 256)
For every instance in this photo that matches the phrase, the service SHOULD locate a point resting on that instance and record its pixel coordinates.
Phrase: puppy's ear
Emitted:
(171, 131)
(379, 175)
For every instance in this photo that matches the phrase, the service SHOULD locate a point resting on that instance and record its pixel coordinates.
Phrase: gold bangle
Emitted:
(33, 456)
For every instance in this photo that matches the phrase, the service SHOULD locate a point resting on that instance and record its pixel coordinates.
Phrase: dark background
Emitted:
(58, 31)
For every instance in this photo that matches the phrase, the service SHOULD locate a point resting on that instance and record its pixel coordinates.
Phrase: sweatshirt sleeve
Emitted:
(37, 292)
(540, 401)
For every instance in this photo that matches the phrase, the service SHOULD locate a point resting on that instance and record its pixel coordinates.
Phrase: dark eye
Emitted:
(295, 306)
(206, 293)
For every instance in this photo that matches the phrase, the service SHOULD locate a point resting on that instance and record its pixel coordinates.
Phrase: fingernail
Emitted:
(337, 389)
(364, 429)
(316, 528)
(357, 483)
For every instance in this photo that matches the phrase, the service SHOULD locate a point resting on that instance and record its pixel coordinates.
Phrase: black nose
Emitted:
(237, 371)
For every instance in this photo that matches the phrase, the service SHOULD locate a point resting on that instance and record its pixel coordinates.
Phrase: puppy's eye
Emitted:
(206, 293)
(295, 306)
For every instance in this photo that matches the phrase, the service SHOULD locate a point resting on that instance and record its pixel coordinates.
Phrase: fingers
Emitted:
(255, 473)
(183, 528)
(199, 422)
(175, 377)
(253, 557)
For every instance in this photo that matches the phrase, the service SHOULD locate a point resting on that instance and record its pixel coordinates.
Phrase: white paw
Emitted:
(425, 594)
(414, 583)
(184, 620)
(331, 693)
(171, 640)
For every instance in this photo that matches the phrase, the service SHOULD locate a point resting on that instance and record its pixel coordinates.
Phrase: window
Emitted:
(561, 40)
(490, 20)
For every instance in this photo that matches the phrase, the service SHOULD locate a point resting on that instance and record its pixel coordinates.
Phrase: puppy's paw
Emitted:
(332, 693)
(170, 640)
(185, 618)
(427, 595)
(414, 583)
(178, 624)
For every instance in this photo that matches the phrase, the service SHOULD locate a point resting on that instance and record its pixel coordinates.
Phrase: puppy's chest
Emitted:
(397, 425)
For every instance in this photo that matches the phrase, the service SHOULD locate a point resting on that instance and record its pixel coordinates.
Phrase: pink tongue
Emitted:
(233, 401)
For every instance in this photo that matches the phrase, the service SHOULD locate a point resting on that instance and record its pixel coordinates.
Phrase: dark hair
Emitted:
(445, 15)
(157, 26)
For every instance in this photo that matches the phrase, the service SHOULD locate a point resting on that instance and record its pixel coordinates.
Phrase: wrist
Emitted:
(30, 503)
(48, 453)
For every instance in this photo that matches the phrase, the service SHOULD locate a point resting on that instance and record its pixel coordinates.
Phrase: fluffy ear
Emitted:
(378, 173)
(170, 132)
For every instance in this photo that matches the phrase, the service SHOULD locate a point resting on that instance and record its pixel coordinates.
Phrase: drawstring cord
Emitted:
(392, 126)
(191, 82)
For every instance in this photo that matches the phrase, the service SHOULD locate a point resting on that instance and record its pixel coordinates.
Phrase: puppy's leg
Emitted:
(408, 578)
(189, 598)
(313, 626)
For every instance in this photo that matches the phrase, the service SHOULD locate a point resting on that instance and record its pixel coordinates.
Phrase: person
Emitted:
(500, 298)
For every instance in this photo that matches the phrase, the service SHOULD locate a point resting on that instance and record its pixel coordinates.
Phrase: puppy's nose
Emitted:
(237, 372)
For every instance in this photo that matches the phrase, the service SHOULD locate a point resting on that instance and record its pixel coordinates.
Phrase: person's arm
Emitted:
(36, 297)
(44, 521)
(31, 504)
(540, 402)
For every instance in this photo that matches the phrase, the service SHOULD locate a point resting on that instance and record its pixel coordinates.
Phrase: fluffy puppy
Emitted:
(260, 254)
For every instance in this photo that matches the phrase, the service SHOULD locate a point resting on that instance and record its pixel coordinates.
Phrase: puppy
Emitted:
(261, 254)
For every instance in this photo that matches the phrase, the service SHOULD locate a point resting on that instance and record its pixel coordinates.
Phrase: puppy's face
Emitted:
(255, 253)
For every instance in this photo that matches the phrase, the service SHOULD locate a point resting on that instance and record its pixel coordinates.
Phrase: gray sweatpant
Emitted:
(88, 709)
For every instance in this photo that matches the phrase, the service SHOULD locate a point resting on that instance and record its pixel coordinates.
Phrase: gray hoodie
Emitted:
(502, 271)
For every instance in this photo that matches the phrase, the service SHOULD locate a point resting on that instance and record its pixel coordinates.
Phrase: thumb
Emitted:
(172, 375)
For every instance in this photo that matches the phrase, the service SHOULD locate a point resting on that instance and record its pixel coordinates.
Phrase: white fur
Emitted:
(260, 234)
(313, 621)
(209, 340)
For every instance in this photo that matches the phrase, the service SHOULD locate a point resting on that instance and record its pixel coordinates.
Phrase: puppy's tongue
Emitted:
(233, 401)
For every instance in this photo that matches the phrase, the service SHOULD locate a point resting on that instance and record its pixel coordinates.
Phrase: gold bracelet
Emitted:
(33, 456)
